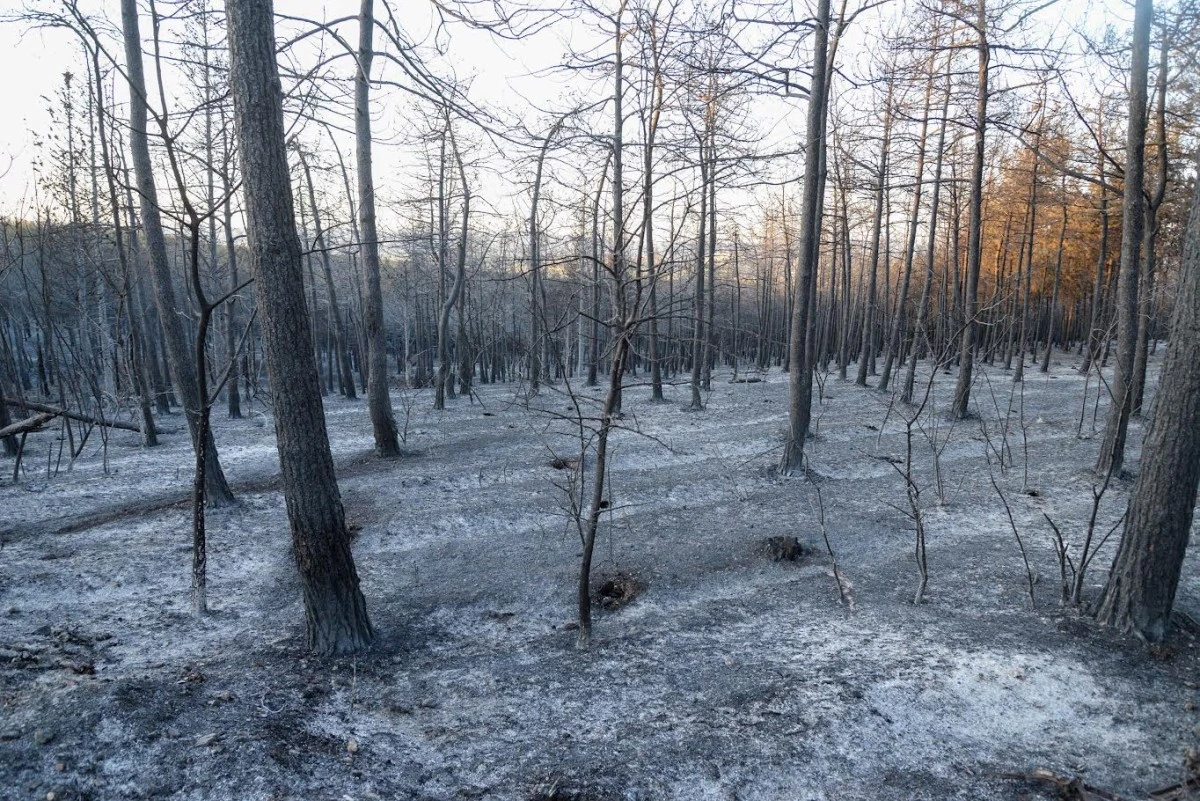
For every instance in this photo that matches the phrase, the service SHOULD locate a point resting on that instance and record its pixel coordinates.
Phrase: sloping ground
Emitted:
(728, 675)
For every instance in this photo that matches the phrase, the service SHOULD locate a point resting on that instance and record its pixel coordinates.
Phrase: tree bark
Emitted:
(899, 324)
(800, 374)
(335, 610)
(698, 320)
(919, 327)
(1145, 574)
(171, 314)
(535, 266)
(346, 377)
(1095, 338)
(966, 358)
(1112, 449)
(1150, 234)
(866, 357)
(379, 402)
(233, 397)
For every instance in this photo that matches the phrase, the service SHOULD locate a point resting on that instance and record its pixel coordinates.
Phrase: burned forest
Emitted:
(599, 399)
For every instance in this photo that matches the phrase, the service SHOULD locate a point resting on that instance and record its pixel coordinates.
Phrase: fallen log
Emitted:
(30, 406)
(29, 424)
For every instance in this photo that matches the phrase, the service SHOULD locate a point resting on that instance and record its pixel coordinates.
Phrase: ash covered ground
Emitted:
(729, 675)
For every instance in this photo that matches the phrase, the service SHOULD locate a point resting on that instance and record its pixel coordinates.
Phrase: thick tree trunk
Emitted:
(1145, 574)
(335, 610)
(9, 440)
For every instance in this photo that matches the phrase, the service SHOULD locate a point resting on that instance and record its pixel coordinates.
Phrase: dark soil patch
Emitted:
(617, 590)
(783, 549)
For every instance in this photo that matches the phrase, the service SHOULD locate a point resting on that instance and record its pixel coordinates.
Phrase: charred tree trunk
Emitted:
(379, 401)
(800, 375)
(919, 327)
(170, 313)
(1150, 235)
(1145, 574)
(335, 610)
(1112, 449)
(701, 269)
(866, 356)
(900, 322)
(339, 328)
(966, 359)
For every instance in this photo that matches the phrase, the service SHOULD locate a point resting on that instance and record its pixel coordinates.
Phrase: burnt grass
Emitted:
(718, 670)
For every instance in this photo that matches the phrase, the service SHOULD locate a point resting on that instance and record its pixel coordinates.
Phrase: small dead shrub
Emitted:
(783, 549)
(617, 590)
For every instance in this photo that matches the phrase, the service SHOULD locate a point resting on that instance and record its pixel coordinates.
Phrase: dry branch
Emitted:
(29, 424)
(54, 411)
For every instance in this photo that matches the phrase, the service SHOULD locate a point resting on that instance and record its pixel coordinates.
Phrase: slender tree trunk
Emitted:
(136, 342)
(594, 340)
(1095, 336)
(1112, 449)
(710, 317)
(1052, 323)
(1146, 312)
(232, 395)
(866, 357)
(170, 313)
(535, 267)
(656, 387)
(379, 401)
(800, 376)
(966, 359)
(624, 329)
(919, 326)
(701, 245)
(460, 271)
(1022, 344)
(339, 328)
(910, 247)
(443, 378)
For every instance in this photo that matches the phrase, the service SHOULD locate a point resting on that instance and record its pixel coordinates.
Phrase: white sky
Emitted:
(33, 62)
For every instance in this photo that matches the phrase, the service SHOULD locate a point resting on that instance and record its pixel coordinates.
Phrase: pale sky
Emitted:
(33, 62)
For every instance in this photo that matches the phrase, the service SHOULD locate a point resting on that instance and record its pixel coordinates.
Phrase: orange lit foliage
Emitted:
(1007, 207)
